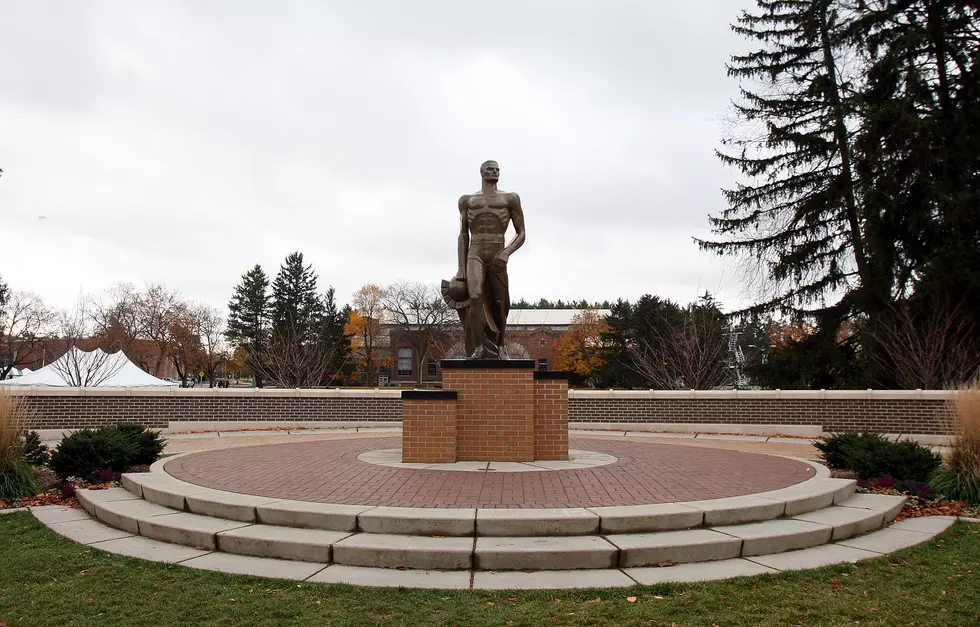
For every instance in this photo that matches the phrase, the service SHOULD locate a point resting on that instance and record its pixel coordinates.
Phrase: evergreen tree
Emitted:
(248, 318)
(333, 322)
(800, 215)
(296, 306)
(920, 141)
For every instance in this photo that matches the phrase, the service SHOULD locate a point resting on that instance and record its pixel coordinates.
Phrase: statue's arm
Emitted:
(463, 242)
(517, 217)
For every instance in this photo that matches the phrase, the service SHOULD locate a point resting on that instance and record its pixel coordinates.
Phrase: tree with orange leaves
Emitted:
(579, 349)
(365, 332)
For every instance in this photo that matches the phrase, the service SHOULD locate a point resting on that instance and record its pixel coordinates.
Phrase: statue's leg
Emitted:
(498, 297)
(476, 325)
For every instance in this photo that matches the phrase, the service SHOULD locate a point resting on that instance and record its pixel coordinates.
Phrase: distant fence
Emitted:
(919, 412)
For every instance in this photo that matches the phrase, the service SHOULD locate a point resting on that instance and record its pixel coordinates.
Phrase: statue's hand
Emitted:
(501, 259)
(460, 275)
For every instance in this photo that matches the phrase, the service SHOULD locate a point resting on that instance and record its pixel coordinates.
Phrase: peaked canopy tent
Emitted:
(78, 368)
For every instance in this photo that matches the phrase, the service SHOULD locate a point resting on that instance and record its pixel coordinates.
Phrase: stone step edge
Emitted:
(385, 577)
(618, 544)
(813, 494)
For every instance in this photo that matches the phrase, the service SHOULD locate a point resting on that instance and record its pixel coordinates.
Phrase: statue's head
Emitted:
(490, 171)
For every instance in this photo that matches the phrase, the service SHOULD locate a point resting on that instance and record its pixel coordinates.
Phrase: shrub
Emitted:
(839, 446)
(86, 451)
(17, 478)
(959, 476)
(113, 448)
(150, 443)
(872, 455)
(35, 453)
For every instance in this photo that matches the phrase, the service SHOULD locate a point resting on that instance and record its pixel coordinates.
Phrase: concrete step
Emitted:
(76, 525)
(694, 545)
(304, 545)
(544, 553)
(536, 522)
(397, 551)
(889, 506)
(811, 495)
(778, 536)
(845, 521)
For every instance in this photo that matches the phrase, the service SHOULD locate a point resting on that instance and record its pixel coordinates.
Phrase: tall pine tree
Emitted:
(799, 214)
(296, 306)
(248, 318)
(920, 141)
(333, 321)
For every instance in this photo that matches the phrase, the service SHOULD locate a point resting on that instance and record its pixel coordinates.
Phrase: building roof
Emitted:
(546, 317)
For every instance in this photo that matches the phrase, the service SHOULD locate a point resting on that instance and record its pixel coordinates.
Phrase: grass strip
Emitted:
(48, 580)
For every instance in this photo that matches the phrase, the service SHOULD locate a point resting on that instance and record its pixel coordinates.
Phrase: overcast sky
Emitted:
(186, 141)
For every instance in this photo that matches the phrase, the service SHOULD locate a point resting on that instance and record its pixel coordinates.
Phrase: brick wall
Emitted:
(429, 430)
(920, 412)
(888, 412)
(551, 419)
(494, 413)
(54, 409)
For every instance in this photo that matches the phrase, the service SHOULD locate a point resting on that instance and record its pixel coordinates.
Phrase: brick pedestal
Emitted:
(492, 410)
(428, 426)
(551, 416)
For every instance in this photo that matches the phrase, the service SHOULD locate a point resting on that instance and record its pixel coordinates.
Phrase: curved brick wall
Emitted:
(887, 412)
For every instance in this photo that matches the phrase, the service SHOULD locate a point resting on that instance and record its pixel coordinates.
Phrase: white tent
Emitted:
(78, 368)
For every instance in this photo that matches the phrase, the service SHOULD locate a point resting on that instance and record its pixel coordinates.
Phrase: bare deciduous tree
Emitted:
(161, 313)
(421, 315)
(936, 349)
(210, 327)
(684, 354)
(26, 320)
(294, 361)
(78, 367)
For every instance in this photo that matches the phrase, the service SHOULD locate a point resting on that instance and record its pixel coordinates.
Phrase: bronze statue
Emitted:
(479, 291)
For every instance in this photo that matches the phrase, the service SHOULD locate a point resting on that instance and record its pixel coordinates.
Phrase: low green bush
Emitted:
(35, 453)
(86, 451)
(114, 448)
(872, 455)
(839, 446)
(149, 443)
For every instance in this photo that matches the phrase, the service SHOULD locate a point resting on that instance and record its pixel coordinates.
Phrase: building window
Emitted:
(542, 364)
(431, 368)
(404, 362)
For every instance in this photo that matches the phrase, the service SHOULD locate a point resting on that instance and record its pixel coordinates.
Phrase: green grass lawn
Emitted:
(48, 580)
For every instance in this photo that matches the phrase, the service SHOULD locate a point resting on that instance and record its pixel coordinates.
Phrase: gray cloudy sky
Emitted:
(185, 141)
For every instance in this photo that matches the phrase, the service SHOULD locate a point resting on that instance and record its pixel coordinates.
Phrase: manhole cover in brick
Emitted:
(328, 471)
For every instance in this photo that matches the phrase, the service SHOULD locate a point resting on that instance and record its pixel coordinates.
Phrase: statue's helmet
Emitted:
(455, 293)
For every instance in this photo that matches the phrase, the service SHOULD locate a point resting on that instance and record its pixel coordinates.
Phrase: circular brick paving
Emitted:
(328, 471)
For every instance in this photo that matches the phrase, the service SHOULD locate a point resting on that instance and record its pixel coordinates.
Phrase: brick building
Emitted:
(531, 334)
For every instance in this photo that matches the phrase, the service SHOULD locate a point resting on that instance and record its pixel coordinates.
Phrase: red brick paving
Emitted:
(328, 471)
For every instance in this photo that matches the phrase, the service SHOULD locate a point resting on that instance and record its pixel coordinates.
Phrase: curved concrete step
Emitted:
(77, 526)
(122, 510)
(811, 495)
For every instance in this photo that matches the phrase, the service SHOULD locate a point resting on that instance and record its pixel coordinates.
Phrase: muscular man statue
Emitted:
(484, 218)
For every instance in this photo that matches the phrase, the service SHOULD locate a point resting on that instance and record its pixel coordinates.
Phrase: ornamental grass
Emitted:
(959, 476)
(17, 478)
